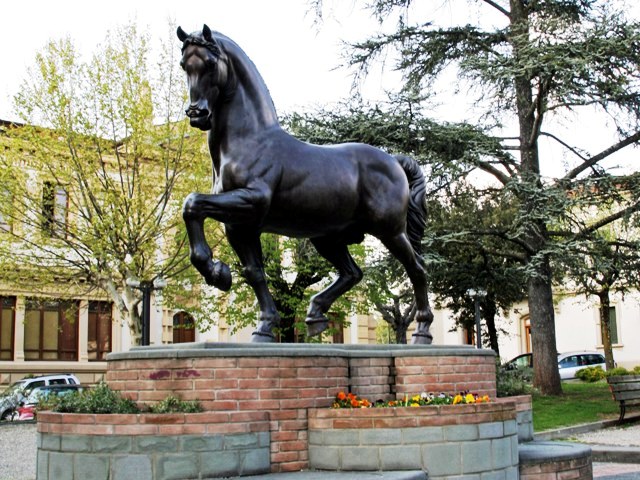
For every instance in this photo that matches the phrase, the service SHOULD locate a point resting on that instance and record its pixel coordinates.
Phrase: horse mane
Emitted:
(243, 63)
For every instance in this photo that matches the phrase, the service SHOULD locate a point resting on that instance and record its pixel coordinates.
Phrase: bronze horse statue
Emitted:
(265, 180)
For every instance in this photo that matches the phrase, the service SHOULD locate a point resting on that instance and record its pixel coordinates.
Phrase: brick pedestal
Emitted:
(285, 380)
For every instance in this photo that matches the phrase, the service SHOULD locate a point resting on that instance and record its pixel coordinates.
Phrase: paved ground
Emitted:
(18, 441)
(615, 450)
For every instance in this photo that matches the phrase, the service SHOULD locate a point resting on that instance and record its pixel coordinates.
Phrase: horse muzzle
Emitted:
(199, 117)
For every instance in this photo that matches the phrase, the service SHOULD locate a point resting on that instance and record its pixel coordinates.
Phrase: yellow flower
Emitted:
(469, 398)
(457, 399)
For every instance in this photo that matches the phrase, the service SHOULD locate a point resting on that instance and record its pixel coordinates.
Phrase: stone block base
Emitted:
(555, 460)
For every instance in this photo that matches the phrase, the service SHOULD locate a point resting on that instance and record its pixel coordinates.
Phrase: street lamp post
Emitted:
(477, 295)
(146, 287)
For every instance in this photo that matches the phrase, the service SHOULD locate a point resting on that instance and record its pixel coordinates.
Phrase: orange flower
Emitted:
(354, 403)
(341, 396)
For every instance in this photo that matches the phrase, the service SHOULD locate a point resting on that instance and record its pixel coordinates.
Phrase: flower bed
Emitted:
(350, 400)
(475, 439)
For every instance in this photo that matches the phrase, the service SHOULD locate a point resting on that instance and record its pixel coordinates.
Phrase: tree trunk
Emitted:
(546, 377)
(287, 323)
(400, 329)
(605, 327)
(489, 310)
(543, 335)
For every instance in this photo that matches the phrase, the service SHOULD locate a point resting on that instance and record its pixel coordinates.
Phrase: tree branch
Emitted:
(611, 218)
(602, 155)
(498, 7)
(564, 144)
(501, 176)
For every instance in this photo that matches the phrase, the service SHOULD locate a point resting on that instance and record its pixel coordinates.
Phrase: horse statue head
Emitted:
(209, 75)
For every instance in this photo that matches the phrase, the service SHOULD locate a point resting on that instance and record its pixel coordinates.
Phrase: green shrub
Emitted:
(591, 374)
(173, 404)
(513, 382)
(101, 399)
(618, 371)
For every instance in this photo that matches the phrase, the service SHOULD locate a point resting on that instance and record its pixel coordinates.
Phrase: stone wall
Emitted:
(159, 446)
(445, 441)
(555, 461)
(524, 417)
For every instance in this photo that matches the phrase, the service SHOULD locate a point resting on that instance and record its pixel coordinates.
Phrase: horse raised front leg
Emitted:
(242, 205)
(215, 273)
(349, 274)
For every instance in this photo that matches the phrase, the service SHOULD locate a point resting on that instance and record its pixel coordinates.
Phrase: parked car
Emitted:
(27, 408)
(524, 360)
(568, 363)
(12, 397)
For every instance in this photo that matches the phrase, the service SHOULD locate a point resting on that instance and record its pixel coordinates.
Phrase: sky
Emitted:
(298, 59)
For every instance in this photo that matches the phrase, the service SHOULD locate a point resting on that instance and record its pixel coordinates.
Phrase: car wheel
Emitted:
(7, 415)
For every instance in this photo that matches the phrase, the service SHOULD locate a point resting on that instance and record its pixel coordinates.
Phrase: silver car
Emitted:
(569, 363)
(10, 399)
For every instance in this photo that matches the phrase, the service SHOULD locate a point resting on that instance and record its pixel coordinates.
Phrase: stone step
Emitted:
(325, 475)
(543, 460)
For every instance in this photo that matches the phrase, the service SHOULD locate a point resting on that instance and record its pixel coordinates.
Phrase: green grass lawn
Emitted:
(581, 402)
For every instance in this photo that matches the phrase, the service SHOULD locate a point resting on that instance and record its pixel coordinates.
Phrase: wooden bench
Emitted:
(626, 390)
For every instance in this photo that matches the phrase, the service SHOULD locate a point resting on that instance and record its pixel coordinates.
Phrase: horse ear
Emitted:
(182, 35)
(206, 33)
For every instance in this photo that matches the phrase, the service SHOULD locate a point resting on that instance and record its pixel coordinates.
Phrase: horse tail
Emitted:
(417, 213)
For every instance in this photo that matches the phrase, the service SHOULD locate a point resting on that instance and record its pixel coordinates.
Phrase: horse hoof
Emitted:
(315, 326)
(262, 337)
(220, 276)
(421, 339)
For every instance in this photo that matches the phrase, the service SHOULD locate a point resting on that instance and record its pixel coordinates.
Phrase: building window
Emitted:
(54, 210)
(184, 328)
(468, 336)
(51, 330)
(7, 322)
(99, 335)
(613, 327)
